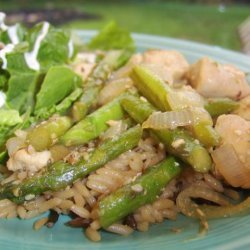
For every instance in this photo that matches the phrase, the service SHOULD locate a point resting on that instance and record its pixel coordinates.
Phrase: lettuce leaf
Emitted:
(59, 82)
(4, 76)
(60, 108)
(54, 49)
(9, 119)
(21, 90)
(16, 63)
(112, 37)
(21, 32)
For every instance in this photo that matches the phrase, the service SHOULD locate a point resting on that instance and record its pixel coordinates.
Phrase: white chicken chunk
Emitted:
(84, 64)
(211, 79)
(235, 131)
(28, 160)
(244, 108)
(173, 64)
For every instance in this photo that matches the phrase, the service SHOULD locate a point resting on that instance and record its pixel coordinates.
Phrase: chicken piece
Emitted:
(173, 64)
(235, 130)
(28, 160)
(211, 79)
(244, 108)
(84, 64)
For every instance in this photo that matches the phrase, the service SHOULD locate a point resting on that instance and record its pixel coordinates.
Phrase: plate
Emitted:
(229, 233)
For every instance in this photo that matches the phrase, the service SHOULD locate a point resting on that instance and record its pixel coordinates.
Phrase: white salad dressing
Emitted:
(3, 26)
(7, 49)
(31, 57)
(71, 48)
(12, 33)
(2, 98)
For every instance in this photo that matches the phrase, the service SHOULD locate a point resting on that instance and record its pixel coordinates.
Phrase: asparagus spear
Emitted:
(94, 124)
(156, 91)
(188, 149)
(137, 193)
(46, 133)
(220, 106)
(94, 84)
(61, 174)
(152, 87)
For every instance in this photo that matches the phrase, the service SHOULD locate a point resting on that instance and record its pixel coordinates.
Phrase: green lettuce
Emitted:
(54, 48)
(21, 34)
(114, 37)
(9, 119)
(17, 63)
(111, 37)
(4, 76)
(60, 108)
(22, 89)
(59, 82)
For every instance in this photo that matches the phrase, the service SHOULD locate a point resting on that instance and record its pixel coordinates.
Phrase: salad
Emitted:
(114, 139)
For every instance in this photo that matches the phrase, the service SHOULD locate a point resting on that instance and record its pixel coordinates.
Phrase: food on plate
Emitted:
(114, 139)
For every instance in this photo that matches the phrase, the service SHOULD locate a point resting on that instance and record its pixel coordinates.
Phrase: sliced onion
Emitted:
(212, 212)
(228, 164)
(184, 97)
(123, 72)
(161, 71)
(169, 120)
(200, 115)
(113, 89)
(116, 128)
(58, 152)
(188, 207)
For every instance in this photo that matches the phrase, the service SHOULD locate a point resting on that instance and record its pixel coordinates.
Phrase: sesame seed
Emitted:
(137, 188)
(29, 197)
(238, 132)
(177, 143)
(143, 98)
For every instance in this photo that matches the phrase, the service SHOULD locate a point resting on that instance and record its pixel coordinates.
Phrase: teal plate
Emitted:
(229, 233)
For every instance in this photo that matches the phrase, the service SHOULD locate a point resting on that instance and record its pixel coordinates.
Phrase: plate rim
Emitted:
(160, 40)
(215, 51)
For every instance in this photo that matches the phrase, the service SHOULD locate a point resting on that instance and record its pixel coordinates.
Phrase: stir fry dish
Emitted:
(117, 140)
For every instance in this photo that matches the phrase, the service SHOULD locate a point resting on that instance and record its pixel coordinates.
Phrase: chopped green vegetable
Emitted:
(143, 190)
(59, 82)
(16, 62)
(59, 175)
(21, 92)
(94, 124)
(54, 49)
(4, 77)
(9, 117)
(177, 141)
(112, 37)
(151, 86)
(5, 133)
(220, 106)
(156, 91)
(94, 84)
(21, 32)
(46, 133)
(206, 134)
(60, 108)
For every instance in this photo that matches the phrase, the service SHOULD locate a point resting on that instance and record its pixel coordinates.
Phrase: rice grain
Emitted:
(120, 229)
(40, 223)
(92, 234)
(80, 211)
